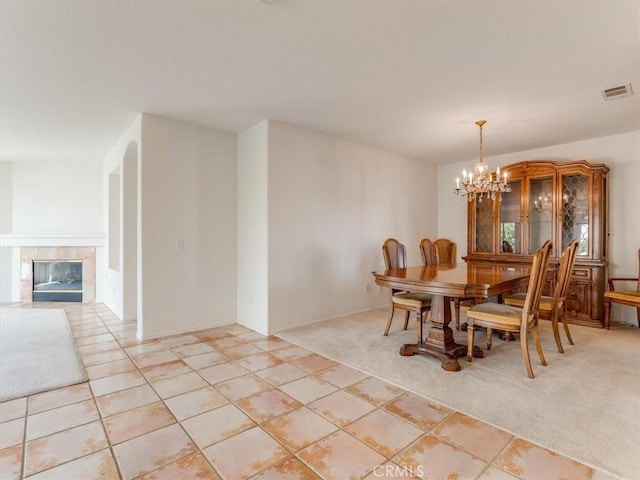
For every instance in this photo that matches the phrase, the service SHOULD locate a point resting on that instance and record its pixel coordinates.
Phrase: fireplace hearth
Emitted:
(57, 280)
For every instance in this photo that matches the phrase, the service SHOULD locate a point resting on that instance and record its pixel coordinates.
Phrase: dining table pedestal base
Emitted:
(440, 344)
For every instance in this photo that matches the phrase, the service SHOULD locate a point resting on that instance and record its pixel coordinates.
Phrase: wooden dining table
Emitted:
(445, 282)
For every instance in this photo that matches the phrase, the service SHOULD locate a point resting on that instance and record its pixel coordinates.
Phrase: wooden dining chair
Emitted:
(623, 297)
(551, 308)
(395, 256)
(429, 252)
(447, 252)
(513, 319)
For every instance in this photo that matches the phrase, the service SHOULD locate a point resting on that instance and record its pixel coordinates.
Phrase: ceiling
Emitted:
(409, 77)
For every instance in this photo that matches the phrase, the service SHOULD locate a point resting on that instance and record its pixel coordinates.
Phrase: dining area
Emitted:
(536, 251)
(441, 281)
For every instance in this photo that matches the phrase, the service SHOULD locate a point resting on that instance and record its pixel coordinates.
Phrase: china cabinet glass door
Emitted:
(575, 212)
(540, 212)
(484, 226)
(511, 221)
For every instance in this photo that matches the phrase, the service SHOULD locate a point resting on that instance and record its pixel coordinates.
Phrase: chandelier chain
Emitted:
(480, 123)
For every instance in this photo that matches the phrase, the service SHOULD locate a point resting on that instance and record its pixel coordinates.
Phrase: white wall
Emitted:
(6, 226)
(6, 197)
(332, 203)
(188, 227)
(54, 198)
(620, 152)
(253, 234)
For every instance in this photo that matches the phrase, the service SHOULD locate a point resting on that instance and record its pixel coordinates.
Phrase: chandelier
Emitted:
(481, 182)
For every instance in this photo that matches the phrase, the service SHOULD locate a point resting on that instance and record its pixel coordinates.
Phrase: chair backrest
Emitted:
(429, 252)
(564, 272)
(546, 247)
(536, 284)
(447, 250)
(394, 253)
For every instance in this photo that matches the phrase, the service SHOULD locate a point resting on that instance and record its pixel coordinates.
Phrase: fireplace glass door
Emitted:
(57, 280)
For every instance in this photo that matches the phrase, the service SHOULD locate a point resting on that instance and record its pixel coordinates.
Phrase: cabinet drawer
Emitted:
(581, 274)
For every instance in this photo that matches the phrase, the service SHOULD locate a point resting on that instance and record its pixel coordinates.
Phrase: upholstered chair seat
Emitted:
(413, 300)
(517, 300)
(630, 298)
(497, 314)
(633, 297)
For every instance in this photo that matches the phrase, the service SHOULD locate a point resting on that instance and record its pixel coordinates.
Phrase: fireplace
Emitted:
(84, 254)
(57, 280)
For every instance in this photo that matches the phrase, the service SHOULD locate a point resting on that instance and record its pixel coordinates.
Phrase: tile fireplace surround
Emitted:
(86, 254)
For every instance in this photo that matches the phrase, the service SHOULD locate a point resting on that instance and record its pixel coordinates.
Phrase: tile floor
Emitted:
(229, 403)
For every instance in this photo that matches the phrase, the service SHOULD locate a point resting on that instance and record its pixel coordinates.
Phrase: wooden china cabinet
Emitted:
(549, 200)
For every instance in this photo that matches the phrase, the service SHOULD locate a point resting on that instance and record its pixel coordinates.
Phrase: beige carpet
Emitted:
(585, 404)
(37, 352)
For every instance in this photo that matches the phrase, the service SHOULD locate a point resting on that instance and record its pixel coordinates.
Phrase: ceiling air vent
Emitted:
(620, 91)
